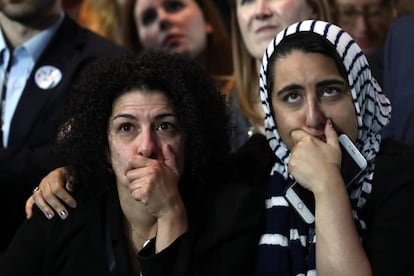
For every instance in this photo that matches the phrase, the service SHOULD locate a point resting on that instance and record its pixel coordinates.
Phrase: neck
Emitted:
(140, 226)
(258, 65)
(16, 33)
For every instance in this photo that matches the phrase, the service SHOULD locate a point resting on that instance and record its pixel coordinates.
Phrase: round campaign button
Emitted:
(48, 76)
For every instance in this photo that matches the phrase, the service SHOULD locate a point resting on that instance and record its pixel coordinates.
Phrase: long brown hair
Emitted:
(219, 57)
(245, 69)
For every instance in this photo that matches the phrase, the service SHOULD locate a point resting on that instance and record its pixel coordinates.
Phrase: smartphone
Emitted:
(352, 165)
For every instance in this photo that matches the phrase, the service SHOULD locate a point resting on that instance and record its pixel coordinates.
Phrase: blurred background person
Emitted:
(404, 7)
(102, 17)
(399, 79)
(191, 27)
(41, 52)
(368, 21)
(253, 25)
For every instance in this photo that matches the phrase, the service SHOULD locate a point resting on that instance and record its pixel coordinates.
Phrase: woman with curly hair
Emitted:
(147, 140)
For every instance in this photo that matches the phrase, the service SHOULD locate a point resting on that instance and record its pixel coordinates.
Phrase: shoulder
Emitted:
(73, 35)
(388, 211)
(253, 160)
(395, 157)
(394, 174)
(404, 23)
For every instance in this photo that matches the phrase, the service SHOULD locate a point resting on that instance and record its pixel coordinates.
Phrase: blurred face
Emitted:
(308, 89)
(144, 124)
(367, 21)
(30, 11)
(260, 20)
(172, 25)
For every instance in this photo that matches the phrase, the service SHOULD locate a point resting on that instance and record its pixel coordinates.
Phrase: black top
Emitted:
(221, 241)
(387, 213)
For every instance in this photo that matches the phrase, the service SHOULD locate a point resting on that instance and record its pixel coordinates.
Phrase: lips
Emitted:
(171, 41)
(267, 29)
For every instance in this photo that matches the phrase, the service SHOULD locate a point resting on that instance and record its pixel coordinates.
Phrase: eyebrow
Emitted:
(320, 84)
(288, 88)
(132, 117)
(331, 82)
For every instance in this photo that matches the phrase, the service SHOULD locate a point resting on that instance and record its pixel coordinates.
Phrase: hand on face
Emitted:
(314, 162)
(154, 182)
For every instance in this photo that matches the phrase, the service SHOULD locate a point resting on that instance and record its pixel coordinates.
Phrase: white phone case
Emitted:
(302, 200)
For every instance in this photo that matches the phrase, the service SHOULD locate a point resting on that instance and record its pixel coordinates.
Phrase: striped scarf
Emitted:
(287, 246)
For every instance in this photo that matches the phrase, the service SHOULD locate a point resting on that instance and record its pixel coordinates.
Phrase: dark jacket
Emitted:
(224, 240)
(221, 241)
(388, 212)
(29, 155)
(399, 79)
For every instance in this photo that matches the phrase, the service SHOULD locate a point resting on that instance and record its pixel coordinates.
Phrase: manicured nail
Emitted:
(69, 186)
(49, 215)
(73, 204)
(63, 214)
(330, 122)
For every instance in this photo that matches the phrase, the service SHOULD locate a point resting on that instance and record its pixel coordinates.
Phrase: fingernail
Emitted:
(63, 214)
(69, 185)
(73, 204)
(49, 215)
(330, 122)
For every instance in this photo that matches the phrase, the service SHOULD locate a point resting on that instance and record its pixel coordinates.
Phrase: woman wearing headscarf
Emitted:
(314, 80)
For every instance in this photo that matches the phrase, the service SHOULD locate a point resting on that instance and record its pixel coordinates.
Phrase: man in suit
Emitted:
(399, 79)
(41, 51)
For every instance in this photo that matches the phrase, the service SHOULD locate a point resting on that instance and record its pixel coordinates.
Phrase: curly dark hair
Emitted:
(198, 104)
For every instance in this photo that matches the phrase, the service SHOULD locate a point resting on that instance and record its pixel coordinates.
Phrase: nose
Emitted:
(361, 24)
(315, 117)
(263, 10)
(164, 20)
(147, 144)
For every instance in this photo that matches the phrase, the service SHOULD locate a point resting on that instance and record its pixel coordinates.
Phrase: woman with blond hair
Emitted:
(253, 25)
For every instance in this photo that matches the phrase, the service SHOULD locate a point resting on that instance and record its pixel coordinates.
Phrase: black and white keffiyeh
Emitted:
(373, 113)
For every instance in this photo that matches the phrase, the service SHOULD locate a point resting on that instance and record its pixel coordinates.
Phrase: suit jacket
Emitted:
(399, 79)
(30, 155)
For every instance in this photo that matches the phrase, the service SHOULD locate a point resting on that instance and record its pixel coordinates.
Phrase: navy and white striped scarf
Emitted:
(287, 246)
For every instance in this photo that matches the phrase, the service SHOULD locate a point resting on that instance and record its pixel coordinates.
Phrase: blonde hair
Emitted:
(245, 69)
(102, 17)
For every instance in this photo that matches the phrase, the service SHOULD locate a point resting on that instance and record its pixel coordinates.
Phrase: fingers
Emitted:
(28, 207)
(298, 135)
(37, 199)
(170, 158)
(51, 195)
(69, 187)
(330, 134)
(154, 182)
